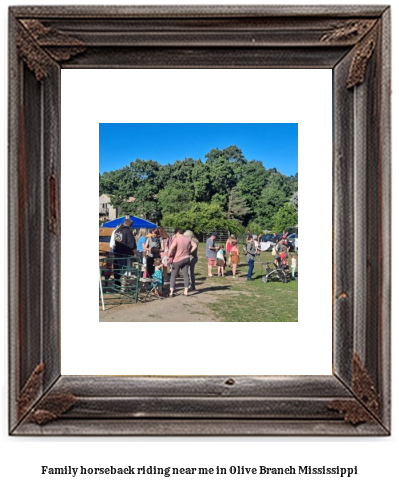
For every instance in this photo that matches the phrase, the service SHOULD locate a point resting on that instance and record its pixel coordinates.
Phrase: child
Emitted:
(145, 264)
(220, 260)
(164, 255)
(235, 257)
(293, 266)
(157, 278)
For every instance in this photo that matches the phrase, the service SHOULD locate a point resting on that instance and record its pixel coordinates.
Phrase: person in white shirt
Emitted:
(112, 241)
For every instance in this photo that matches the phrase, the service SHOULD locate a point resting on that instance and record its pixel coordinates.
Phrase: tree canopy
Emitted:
(226, 191)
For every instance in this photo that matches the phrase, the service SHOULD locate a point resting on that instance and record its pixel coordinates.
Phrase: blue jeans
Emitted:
(250, 268)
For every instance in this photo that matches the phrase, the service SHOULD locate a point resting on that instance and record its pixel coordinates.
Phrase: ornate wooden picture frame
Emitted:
(354, 42)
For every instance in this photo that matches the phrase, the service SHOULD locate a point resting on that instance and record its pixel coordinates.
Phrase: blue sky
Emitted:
(275, 144)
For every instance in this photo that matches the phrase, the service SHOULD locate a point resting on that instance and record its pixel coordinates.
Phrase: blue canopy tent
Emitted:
(137, 223)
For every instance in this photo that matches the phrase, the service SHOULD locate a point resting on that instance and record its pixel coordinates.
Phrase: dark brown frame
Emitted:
(353, 41)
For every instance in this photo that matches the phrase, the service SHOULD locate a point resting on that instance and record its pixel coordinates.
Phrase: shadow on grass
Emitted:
(212, 289)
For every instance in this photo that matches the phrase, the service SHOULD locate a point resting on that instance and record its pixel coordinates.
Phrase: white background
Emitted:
(376, 458)
(171, 96)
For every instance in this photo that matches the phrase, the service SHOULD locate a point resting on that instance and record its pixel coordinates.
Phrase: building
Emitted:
(106, 210)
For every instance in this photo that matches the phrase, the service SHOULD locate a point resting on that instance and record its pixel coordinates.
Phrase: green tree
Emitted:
(294, 200)
(221, 200)
(227, 184)
(255, 228)
(173, 199)
(225, 168)
(285, 218)
(137, 189)
(252, 183)
(232, 154)
(110, 182)
(224, 175)
(201, 182)
(237, 205)
(181, 174)
(270, 201)
(234, 227)
(201, 217)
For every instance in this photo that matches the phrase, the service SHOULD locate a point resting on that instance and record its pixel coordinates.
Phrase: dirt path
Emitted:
(194, 308)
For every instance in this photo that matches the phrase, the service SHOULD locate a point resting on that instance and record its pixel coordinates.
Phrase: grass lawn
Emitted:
(250, 301)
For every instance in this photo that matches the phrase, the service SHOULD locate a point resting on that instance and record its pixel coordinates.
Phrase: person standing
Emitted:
(293, 266)
(229, 244)
(112, 240)
(210, 251)
(250, 256)
(157, 279)
(228, 249)
(166, 241)
(193, 257)
(220, 261)
(235, 258)
(180, 248)
(141, 240)
(154, 247)
(125, 245)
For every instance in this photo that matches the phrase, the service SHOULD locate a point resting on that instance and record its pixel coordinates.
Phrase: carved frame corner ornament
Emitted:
(366, 406)
(30, 391)
(361, 56)
(38, 45)
(354, 43)
(51, 407)
(362, 32)
(352, 30)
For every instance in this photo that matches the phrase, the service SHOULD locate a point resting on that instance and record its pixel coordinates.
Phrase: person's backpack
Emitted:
(246, 251)
(155, 246)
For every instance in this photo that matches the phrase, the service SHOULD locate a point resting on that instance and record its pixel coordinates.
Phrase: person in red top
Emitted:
(229, 244)
(180, 249)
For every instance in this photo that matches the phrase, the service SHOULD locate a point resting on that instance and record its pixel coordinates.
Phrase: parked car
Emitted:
(294, 239)
(275, 238)
(291, 244)
(267, 237)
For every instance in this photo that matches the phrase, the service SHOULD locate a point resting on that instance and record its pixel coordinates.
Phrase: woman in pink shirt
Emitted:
(180, 249)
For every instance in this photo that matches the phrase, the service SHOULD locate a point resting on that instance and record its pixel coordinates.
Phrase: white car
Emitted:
(294, 238)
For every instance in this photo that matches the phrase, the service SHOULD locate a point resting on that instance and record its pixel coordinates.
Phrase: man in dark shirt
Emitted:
(125, 245)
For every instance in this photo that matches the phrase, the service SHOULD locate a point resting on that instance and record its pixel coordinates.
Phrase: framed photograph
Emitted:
(353, 43)
(228, 187)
